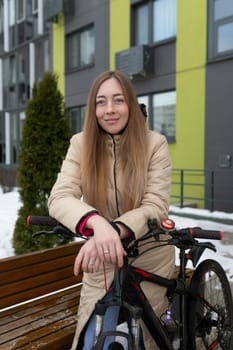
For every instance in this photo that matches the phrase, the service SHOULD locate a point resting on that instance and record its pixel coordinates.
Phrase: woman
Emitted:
(119, 171)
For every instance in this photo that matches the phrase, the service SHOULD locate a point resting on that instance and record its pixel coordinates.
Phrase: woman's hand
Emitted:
(107, 240)
(87, 258)
(104, 246)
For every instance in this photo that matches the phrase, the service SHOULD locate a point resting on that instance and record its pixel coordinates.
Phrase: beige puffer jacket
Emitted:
(65, 204)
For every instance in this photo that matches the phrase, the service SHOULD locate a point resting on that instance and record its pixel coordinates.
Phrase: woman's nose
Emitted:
(110, 106)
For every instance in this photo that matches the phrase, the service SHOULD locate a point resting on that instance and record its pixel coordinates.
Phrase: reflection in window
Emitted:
(145, 101)
(154, 21)
(220, 28)
(222, 9)
(141, 27)
(225, 35)
(76, 116)
(164, 114)
(81, 49)
(164, 19)
(87, 47)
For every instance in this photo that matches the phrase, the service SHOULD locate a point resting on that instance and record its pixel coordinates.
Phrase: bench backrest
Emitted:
(31, 275)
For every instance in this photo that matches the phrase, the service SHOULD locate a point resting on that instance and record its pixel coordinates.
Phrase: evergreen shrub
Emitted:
(45, 139)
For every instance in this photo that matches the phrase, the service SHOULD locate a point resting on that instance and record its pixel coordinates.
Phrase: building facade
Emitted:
(178, 53)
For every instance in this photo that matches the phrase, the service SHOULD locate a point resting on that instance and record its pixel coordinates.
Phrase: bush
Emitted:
(45, 139)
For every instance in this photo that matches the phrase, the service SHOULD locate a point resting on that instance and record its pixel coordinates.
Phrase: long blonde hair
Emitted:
(133, 150)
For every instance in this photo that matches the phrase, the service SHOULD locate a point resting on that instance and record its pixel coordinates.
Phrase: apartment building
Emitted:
(178, 53)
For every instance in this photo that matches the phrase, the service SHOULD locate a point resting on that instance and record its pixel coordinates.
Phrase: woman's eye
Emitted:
(119, 101)
(100, 102)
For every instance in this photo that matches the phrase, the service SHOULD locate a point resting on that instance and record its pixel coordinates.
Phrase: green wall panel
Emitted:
(119, 28)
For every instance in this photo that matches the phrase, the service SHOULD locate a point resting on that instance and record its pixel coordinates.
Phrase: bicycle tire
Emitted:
(210, 308)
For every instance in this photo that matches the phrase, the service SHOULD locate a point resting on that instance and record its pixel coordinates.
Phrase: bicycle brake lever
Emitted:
(58, 230)
(208, 245)
(40, 233)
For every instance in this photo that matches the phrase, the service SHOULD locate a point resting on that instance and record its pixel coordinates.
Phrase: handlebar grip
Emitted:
(41, 220)
(197, 232)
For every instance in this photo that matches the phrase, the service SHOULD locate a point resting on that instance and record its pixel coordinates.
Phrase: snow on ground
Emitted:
(10, 203)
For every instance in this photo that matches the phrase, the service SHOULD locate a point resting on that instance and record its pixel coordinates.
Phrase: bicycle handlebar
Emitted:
(167, 227)
(42, 221)
(197, 232)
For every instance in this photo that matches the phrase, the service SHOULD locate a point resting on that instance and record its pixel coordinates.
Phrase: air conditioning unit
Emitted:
(52, 8)
(135, 61)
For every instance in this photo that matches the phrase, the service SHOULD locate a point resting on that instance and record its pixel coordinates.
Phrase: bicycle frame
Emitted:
(128, 294)
(126, 286)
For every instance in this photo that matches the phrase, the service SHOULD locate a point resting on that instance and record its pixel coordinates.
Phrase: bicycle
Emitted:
(200, 313)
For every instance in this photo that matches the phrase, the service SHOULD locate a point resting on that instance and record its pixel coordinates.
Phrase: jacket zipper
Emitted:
(114, 177)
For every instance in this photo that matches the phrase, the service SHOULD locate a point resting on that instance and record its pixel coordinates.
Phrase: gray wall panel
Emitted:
(219, 133)
(77, 84)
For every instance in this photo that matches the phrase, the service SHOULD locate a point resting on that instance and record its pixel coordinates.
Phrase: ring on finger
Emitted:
(91, 263)
(106, 251)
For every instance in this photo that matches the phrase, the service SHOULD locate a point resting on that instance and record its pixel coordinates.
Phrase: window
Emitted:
(220, 28)
(164, 114)
(2, 138)
(161, 110)
(23, 76)
(154, 21)
(11, 11)
(11, 126)
(81, 49)
(1, 27)
(9, 81)
(42, 59)
(35, 5)
(145, 101)
(164, 18)
(20, 11)
(1, 17)
(12, 24)
(76, 115)
(21, 124)
(142, 30)
(14, 140)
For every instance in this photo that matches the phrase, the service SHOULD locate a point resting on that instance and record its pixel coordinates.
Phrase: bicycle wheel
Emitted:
(210, 308)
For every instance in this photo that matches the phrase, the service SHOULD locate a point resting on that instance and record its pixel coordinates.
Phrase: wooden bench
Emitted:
(39, 295)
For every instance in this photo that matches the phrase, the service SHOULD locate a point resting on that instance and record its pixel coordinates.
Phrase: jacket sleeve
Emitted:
(65, 202)
(155, 203)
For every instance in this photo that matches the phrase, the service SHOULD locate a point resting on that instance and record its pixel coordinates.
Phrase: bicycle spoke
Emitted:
(212, 309)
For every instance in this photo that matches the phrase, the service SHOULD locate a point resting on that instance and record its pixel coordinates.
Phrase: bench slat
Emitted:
(40, 334)
(38, 268)
(27, 294)
(42, 310)
(23, 310)
(8, 264)
(47, 322)
(40, 276)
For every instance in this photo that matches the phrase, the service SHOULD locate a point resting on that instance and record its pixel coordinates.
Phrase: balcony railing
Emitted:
(207, 189)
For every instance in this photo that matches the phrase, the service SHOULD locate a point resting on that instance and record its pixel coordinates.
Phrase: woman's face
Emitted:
(112, 112)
